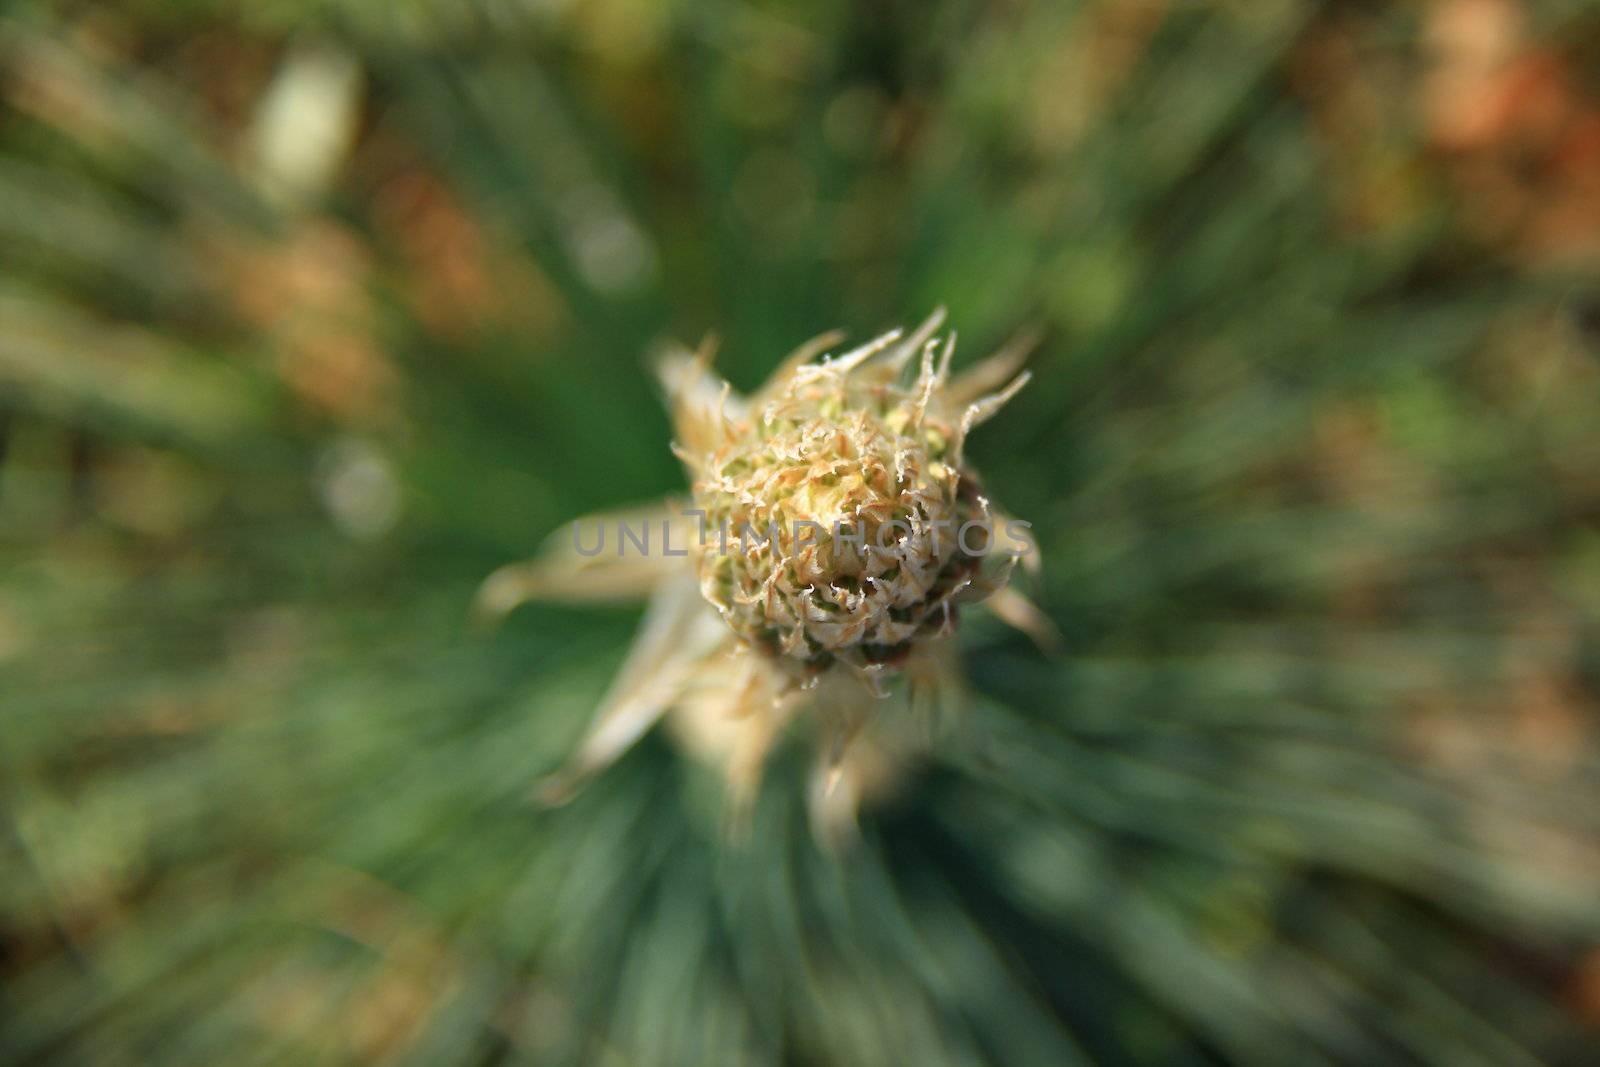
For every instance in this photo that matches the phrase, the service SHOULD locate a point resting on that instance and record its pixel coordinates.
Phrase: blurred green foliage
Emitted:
(314, 313)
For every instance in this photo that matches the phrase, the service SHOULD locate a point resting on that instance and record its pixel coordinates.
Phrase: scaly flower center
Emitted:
(839, 523)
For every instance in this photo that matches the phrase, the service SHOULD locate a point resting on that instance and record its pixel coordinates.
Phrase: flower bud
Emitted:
(841, 523)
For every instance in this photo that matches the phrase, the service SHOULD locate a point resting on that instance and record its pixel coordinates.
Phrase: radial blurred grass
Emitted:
(312, 314)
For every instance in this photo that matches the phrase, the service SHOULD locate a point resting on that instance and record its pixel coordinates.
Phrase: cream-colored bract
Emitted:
(825, 569)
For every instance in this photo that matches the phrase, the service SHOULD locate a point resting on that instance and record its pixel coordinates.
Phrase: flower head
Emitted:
(836, 530)
(858, 529)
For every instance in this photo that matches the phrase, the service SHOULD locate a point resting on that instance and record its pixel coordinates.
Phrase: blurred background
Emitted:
(314, 312)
